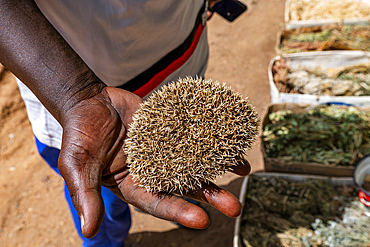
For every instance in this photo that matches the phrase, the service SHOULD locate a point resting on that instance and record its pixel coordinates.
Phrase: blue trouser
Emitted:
(117, 217)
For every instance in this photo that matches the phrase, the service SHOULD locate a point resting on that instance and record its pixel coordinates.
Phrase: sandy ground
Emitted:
(32, 207)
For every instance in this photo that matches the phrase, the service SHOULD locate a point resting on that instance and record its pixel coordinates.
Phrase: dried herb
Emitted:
(342, 81)
(324, 38)
(323, 134)
(280, 70)
(327, 9)
(282, 212)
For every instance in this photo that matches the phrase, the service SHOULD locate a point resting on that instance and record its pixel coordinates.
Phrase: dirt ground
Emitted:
(32, 207)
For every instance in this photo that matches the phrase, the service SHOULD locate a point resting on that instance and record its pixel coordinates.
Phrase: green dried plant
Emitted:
(324, 134)
(188, 133)
(328, 37)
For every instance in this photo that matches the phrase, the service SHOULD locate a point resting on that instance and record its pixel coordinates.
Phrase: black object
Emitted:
(229, 9)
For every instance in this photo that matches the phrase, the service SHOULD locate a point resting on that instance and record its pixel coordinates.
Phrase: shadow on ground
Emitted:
(221, 225)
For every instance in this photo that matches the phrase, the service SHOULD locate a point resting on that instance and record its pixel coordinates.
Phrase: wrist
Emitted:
(80, 88)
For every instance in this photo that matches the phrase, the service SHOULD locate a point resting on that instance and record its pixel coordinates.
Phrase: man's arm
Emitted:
(37, 54)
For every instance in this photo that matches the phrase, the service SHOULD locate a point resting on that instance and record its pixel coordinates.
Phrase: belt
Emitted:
(148, 80)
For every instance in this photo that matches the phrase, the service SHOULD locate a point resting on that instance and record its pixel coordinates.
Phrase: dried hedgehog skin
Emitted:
(188, 133)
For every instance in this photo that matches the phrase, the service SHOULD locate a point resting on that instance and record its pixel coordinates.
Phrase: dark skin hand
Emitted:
(95, 119)
(211, 3)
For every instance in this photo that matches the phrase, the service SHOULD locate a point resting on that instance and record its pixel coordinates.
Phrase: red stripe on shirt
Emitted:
(162, 75)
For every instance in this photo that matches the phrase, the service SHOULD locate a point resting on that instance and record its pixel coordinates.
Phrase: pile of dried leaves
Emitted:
(323, 38)
(282, 212)
(324, 134)
(342, 81)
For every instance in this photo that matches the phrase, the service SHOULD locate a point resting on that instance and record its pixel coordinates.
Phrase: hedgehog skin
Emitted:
(188, 133)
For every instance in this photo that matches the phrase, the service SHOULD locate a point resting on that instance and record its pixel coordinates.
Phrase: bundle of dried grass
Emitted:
(188, 133)
(324, 38)
(327, 9)
(353, 80)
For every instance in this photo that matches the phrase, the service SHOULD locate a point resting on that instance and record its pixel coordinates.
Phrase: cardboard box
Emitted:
(328, 60)
(274, 165)
(292, 24)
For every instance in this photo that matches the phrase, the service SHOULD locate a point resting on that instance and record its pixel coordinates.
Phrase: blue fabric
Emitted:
(117, 217)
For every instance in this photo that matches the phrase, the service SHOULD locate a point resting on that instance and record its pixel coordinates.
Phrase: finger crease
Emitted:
(179, 211)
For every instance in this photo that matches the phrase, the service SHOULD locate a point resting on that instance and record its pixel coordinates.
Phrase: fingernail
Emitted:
(82, 223)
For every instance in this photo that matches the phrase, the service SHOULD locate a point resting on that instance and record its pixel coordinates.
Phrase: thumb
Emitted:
(83, 182)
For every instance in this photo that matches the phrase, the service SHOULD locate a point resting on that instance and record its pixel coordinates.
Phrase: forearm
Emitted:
(36, 53)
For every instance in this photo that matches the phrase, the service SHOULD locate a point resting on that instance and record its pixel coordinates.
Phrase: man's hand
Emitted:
(92, 155)
(210, 12)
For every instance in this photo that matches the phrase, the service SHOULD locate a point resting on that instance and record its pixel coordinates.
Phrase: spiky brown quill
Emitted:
(188, 133)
